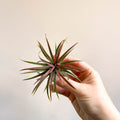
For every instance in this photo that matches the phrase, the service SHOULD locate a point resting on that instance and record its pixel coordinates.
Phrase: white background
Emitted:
(95, 24)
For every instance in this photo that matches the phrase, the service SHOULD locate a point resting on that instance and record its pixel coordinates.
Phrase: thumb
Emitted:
(69, 85)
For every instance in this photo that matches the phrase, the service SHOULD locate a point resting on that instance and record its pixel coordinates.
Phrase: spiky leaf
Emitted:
(52, 57)
(58, 50)
(44, 52)
(36, 63)
(66, 53)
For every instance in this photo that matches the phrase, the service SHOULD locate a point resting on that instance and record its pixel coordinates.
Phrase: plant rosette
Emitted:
(52, 66)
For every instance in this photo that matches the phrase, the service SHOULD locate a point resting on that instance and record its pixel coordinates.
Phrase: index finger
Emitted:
(82, 65)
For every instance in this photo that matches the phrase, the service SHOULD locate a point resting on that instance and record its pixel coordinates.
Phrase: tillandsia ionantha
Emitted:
(51, 67)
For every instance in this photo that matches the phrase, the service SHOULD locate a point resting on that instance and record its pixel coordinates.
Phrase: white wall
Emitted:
(93, 23)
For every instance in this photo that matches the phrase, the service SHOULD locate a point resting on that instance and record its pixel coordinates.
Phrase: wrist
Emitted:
(106, 109)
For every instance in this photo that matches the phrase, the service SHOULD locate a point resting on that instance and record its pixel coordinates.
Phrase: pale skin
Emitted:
(89, 97)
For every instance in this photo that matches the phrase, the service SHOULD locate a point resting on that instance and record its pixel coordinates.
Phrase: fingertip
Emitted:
(70, 85)
(82, 65)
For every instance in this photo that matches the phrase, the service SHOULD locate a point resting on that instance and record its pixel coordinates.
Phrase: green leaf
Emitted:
(47, 86)
(72, 68)
(40, 80)
(37, 68)
(50, 49)
(58, 50)
(71, 61)
(54, 77)
(72, 74)
(60, 74)
(54, 86)
(33, 71)
(66, 81)
(54, 81)
(35, 76)
(46, 74)
(46, 62)
(37, 86)
(65, 74)
(36, 63)
(66, 53)
(44, 52)
(32, 77)
(55, 46)
(51, 88)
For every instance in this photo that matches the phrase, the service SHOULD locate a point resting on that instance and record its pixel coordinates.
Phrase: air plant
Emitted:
(51, 67)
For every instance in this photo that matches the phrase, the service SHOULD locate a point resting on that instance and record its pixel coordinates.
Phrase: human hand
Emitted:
(89, 97)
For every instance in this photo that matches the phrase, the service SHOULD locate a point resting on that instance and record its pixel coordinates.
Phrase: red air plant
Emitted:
(51, 67)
